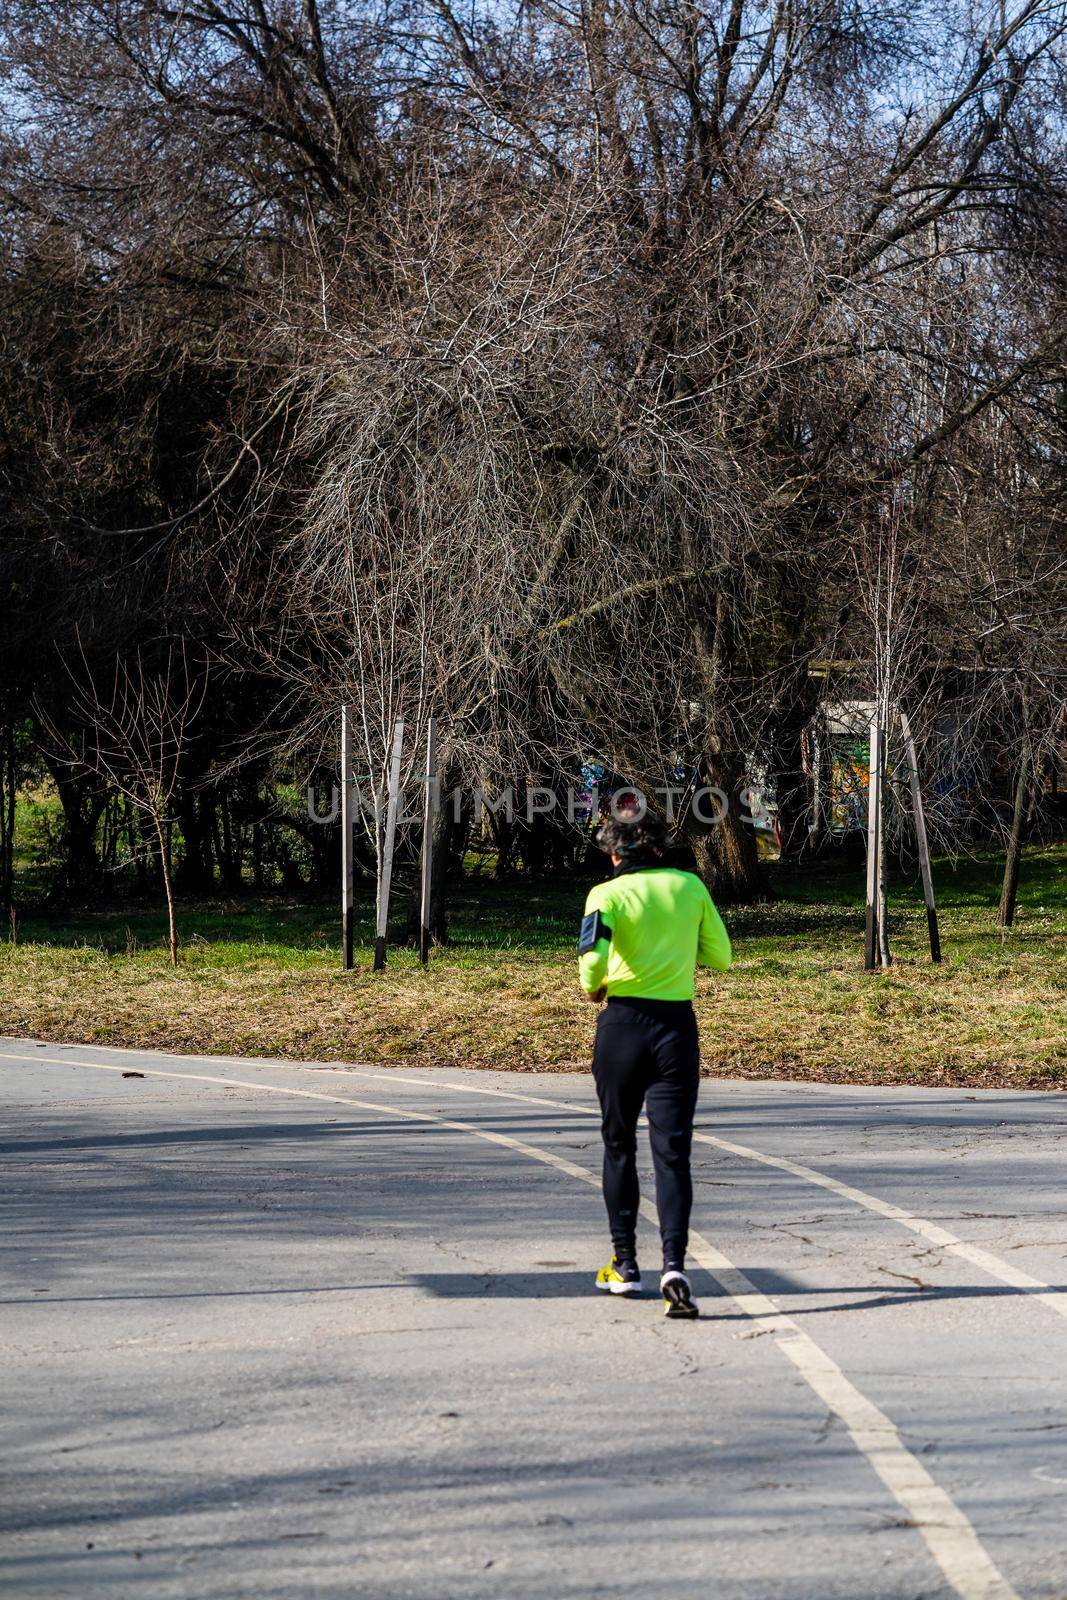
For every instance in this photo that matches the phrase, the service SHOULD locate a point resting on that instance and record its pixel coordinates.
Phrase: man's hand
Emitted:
(597, 994)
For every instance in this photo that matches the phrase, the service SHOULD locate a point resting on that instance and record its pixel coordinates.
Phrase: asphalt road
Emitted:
(320, 1332)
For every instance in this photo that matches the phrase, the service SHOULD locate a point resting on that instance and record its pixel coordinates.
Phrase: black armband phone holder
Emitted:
(593, 928)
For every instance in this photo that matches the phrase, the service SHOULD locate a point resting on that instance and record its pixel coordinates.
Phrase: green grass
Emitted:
(261, 976)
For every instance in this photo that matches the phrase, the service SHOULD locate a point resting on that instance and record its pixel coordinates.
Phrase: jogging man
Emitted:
(643, 933)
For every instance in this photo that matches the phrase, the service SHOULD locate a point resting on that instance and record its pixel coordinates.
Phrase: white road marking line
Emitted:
(949, 1535)
(993, 1265)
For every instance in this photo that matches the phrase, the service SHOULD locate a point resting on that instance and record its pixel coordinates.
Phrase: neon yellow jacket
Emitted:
(655, 925)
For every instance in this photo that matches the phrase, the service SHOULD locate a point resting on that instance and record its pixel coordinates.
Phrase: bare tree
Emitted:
(585, 339)
(135, 731)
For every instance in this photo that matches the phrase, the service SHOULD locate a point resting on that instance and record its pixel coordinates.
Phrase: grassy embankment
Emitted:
(261, 977)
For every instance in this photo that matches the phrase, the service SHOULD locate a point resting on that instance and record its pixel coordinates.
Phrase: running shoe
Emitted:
(677, 1296)
(620, 1277)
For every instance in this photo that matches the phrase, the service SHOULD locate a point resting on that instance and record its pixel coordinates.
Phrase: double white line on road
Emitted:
(985, 1260)
(949, 1535)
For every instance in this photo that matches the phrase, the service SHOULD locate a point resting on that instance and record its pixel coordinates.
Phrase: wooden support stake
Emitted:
(1013, 857)
(920, 837)
(429, 808)
(874, 807)
(884, 955)
(347, 795)
(385, 865)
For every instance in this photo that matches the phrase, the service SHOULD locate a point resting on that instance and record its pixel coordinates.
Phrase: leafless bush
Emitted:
(134, 722)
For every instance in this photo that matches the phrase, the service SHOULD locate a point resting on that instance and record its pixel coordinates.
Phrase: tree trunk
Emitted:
(141, 845)
(231, 847)
(323, 841)
(196, 870)
(1010, 888)
(793, 785)
(726, 852)
(727, 860)
(163, 838)
(885, 955)
(444, 834)
(83, 797)
(793, 694)
(291, 876)
(8, 787)
(257, 855)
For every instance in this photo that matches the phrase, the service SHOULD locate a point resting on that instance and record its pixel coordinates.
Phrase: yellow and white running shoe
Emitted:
(620, 1277)
(678, 1299)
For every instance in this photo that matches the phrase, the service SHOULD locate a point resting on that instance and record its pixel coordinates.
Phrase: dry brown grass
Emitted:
(801, 1007)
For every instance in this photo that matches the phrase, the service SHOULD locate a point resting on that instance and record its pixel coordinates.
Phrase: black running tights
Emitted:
(648, 1053)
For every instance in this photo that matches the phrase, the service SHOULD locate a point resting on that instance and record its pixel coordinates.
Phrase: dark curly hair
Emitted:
(633, 835)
